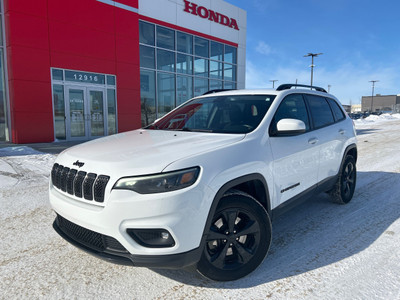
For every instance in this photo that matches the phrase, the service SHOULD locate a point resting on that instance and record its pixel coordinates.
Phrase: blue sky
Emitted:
(360, 41)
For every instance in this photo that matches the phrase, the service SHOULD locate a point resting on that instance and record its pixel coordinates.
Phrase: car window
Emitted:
(292, 107)
(217, 114)
(321, 112)
(337, 112)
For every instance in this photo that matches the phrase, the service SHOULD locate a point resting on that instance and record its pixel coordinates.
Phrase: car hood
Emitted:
(141, 151)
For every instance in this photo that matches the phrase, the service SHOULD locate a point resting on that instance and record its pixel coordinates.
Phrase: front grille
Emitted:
(81, 184)
(100, 187)
(88, 238)
(88, 186)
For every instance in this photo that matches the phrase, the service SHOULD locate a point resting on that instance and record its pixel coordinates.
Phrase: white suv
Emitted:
(201, 185)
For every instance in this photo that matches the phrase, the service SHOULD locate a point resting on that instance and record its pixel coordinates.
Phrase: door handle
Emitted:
(341, 131)
(313, 141)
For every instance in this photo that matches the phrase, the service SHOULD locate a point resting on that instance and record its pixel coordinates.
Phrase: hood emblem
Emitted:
(78, 163)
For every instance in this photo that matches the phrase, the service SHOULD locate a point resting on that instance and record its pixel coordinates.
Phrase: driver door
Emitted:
(296, 157)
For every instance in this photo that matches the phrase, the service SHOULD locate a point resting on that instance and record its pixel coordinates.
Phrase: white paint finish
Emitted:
(295, 162)
(142, 152)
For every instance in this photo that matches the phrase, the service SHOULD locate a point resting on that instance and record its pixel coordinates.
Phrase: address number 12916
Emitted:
(81, 77)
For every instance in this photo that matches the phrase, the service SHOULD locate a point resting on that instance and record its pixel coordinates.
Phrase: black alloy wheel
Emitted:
(343, 191)
(348, 180)
(238, 239)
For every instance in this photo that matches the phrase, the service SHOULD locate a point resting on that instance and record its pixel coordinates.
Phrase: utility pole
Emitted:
(273, 82)
(372, 98)
(312, 63)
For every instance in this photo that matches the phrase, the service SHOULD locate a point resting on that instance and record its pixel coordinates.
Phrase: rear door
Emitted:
(329, 128)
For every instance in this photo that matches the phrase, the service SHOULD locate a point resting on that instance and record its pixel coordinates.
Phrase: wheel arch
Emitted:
(252, 184)
(350, 150)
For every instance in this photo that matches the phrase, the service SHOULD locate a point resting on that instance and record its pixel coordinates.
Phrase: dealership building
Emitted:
(82, 69)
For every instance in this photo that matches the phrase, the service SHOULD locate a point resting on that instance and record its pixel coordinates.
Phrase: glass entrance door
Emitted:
(77, 114)
(85, 117)
(96, 103)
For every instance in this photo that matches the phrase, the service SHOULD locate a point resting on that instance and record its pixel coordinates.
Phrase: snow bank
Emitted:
(377, 119)
(18, 151)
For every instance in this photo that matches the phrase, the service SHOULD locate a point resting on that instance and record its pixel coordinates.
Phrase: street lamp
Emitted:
(273, 82)
(312, 63)
(373, 87)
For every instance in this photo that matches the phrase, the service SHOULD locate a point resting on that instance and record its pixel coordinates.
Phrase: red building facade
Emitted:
(72, 69)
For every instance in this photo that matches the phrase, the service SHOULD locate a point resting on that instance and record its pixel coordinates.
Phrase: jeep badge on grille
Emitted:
(78, 163)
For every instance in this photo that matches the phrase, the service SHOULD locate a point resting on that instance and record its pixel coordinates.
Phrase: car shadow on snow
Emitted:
(366, 131)
(318, 233)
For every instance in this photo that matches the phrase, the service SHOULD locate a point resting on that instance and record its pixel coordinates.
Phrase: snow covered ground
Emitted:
(319, 251)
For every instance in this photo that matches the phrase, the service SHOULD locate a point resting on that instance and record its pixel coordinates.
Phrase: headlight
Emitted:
(159, 183)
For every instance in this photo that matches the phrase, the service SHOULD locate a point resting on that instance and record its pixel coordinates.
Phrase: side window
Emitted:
(337, 112)
(292, 107)
(321, 113)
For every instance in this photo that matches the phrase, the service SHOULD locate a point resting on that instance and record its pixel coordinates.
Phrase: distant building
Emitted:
(347, 108)
(380, 103)
(356, 108)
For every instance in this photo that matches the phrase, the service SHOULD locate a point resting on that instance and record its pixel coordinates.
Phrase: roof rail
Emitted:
(216, 91)
(288, 86)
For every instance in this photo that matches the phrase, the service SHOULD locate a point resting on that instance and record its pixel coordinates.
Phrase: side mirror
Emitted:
(290, 127)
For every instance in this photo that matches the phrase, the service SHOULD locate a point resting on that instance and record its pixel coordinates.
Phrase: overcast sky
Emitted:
(360, 41)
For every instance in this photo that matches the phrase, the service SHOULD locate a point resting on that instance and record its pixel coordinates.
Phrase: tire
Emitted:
(344, 188)
(238, 239)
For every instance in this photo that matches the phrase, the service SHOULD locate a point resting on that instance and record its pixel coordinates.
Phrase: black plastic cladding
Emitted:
(91, 239)
(89, 186)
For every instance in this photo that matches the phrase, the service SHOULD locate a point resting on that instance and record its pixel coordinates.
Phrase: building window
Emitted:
(184, 42)
(165, 60)
(4, 123)
(165, 93)
(165, 38)
(176, 66)
(201, 47)
(184, 89)
(59, 110)
(148, 96)
(217, 51)
(184, 64)
(146, 34)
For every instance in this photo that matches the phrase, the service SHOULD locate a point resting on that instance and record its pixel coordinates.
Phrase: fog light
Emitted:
(152, 238)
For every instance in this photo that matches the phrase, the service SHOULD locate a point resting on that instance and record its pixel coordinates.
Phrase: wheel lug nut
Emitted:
(237, 239)
(227, 232)
(234, 231)
(230, 244)
(224, 241)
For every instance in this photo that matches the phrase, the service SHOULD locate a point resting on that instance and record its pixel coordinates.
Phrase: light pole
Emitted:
(329, 88)
(372, 98)
(273, 82)
(312, 63)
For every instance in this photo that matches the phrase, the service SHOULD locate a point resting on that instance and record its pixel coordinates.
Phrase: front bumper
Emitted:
(182, 213)
(110, 250)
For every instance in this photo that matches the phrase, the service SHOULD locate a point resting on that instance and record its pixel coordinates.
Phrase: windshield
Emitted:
(217, 114)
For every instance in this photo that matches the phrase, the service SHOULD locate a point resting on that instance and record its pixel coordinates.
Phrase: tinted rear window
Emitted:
(337, 112)
(320, 111)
